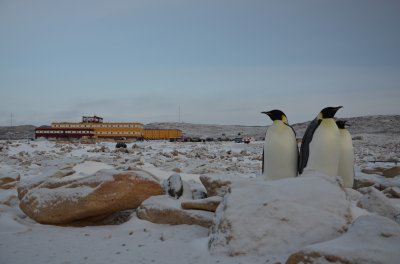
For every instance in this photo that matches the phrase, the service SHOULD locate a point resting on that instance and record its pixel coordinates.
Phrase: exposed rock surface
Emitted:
(99, 195)
(362, 183)
(174, 186)
(207, 204)
(215, 185)
(279, 217)
(62, 173)
(10, 180)
(163, 209)
(392, 192)
(371, 239)
(386, 172)
(392, 172)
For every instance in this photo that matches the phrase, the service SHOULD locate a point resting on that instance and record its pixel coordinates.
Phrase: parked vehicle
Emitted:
(120, 145)
(238, 140)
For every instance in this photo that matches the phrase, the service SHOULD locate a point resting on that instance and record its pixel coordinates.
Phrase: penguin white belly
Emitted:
(280, 152)
(324, 151)
(346, 161)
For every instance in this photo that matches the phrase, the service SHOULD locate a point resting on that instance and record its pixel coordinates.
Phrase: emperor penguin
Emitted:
(280, 154)
(320, 148)
(346, 161)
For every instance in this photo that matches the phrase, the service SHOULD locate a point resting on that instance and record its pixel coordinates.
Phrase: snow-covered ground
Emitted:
(22, 240)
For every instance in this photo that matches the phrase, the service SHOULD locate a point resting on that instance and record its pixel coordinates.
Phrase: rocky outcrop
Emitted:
(9, 180)
(55, 201)
(278, 217)
(207, 204)
(174, 186)
(392, 192)
(376, 202)
(362, 183)
(62, 173)
(392, 172)
(164, 209)
(216, 185)
(386, 172)
(371, 239)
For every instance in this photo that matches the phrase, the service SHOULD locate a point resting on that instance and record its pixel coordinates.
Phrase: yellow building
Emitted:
(162, 134)
(104, 130)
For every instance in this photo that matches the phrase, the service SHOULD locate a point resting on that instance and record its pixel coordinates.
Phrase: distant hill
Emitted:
(379, 124)
(17, 132)
(382, 124)
(214, 131)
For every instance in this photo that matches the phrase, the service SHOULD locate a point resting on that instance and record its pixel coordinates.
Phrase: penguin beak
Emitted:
(267, 113)
(337, 108)
(334, 110)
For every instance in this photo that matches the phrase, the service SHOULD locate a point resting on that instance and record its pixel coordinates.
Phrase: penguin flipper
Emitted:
(262, 162)
(305, 144)
(297, 149)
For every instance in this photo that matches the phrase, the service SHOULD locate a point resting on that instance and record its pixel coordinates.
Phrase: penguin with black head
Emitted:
(320, 147)
(280, 154)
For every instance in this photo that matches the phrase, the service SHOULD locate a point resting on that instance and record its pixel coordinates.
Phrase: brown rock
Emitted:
(362, 183)
(314, 257)
(101, 194)
(207, 204)
(392, 192)
(215, 186)
(376, 170)
(113, 219)
(8, 186)
(392, 172)
(50, 183)
(388, 173)
(8, 182)
(166, 210)
(62, 173)
(177, 170)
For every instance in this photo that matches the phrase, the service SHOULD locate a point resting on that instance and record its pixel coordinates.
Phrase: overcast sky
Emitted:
(219, 61)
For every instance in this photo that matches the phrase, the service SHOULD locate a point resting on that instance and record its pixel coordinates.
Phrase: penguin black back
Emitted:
(327, 112)
(305, 143)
